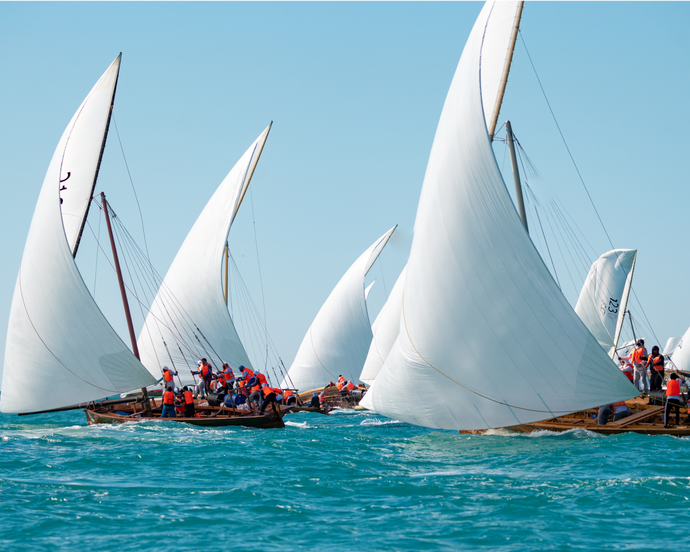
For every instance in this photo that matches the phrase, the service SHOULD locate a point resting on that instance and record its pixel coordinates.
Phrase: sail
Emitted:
(339, 337)
(60, 349)
(385, 331)
(189, 318)
(604, 295)
(681, 355)
(82, 159)
(671, 345)
(487, 339)
(368, 289)
(500, 35)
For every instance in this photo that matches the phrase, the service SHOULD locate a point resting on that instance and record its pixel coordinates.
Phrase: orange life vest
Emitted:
(637, 355)
(167, 374)
(350, 386)
(205, 368)
(673, 388)
(221, 380)
(169, 398)
(250, 372)
(267, 391)
(287, 393)
(622, 403)
(262, 379)
(340, 386)
(657, 363)
(188, 397)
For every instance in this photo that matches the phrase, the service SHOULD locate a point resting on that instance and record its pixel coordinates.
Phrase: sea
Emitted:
(347, 481)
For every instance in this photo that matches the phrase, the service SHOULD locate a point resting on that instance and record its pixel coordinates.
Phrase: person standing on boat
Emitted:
(639, 358)
(673, 399)
(229, 375)
(188, 403)
(207, 374)
(655, 363)
(200, 389)
(168, 380)
(168, 404)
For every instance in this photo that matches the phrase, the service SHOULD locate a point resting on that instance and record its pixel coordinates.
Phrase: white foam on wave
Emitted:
(379, 422)
(301, 425)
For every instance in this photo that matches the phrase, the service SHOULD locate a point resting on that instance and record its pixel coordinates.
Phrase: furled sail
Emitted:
(385, 331)
(604, 296)
(339, 337)
(487, 339)
(60, 348)
(189, 318)
(681, 355)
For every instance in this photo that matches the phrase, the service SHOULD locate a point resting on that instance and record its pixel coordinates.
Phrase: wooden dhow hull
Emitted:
(645, 419)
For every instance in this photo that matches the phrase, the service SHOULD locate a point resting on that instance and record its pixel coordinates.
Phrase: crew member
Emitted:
(168, 404)
(673, 399)
(639, 358)
(604, 414)
(168, 380)
(269, 397)
(289, 397)
(207, 374)
(200, 389)
(656, 365)
(620, 411)
(314, 403)
(229, 375)
(627, 369)
(188, 403)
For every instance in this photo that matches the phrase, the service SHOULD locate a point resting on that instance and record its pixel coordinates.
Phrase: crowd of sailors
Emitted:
(646, 372)
(250, 391)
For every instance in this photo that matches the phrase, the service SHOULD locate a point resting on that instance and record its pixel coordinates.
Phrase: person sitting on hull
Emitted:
(314, 403)
(620, 411)
(289, 397)
(655, 363)
(604, 414)
(168, 404)
(673, 399)
(168, 380)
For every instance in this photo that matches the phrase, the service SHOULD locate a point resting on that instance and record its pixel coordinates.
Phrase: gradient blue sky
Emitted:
(355, 91)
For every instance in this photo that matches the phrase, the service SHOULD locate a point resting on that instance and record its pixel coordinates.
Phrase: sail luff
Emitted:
(623, 307)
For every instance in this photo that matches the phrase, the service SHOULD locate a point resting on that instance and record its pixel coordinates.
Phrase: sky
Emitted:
(355, 91)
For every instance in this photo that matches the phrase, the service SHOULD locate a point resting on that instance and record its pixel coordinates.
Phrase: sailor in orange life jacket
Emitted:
(188, 402)
(620, 411)
(269, 397)
(168, 380)
(168, 404)
(673, 399)
(289, 396)
(229, 375)
(207, 374)
(200, 389)
(655, 363)
(639, 358)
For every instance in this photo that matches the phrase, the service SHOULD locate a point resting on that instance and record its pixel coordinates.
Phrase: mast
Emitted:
(516, 176)
(506, 71)
(225, 288)
(128, 315)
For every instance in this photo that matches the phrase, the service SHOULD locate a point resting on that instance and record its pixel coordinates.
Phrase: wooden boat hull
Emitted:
(323, 411)
(334, 398)
(645, 419)
(211, 417)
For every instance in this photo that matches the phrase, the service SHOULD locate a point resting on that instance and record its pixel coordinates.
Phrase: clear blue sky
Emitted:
(355, 91)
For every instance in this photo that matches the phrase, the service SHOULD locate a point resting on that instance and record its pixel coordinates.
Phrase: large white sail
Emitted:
(60, 349)
(339, 337)
(189, 318)
(487, 339)
(681, 354)
(82, 159)
(671, 345)
(604, 295)
(385, 331)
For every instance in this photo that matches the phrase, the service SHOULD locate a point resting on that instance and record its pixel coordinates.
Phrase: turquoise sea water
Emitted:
(349, 481)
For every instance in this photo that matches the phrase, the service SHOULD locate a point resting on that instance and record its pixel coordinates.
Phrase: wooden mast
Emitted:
(128, 315)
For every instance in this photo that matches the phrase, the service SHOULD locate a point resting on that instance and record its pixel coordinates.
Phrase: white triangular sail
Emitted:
(60, 348)
(368, 289)
(339, 337)
(671, 345)
(604, 295)
(681, 355)
(189, 318)
(487, 339)
(385, 331)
